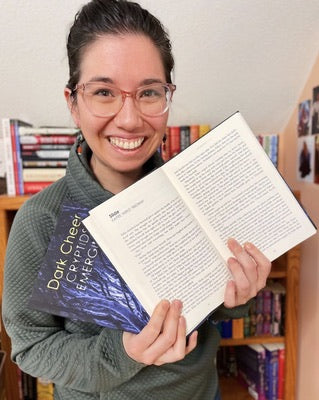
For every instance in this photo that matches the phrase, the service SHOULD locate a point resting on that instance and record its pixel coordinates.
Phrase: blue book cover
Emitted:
(76, 279)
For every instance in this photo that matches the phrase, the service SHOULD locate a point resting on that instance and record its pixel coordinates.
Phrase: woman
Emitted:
(118, 93)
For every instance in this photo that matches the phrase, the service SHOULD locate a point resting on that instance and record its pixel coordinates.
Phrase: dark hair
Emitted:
(100, 17)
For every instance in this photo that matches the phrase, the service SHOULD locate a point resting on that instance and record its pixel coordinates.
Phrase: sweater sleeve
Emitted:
(70, 353)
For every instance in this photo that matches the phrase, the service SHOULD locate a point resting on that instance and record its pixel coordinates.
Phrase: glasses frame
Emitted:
(169, 86)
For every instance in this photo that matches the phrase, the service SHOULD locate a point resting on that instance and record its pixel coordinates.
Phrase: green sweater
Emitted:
(86, 361)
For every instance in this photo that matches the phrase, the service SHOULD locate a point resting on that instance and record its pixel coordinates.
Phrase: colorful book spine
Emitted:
(184, 137)
(10, 179)
(50, 139)
(194, 133)
(175, 142)
(238, 328)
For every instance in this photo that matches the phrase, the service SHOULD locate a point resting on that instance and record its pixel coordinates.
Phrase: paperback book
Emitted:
(170, 229)
(77, 280)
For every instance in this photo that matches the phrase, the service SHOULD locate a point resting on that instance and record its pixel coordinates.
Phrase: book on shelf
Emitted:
(274, 368)
(24, 144)
(223, 185)
(77, 280)
(47, 139)
(35, 187)
(251, 365)
(45, 389)
(42, 174)
(48, 130)
(12, 152)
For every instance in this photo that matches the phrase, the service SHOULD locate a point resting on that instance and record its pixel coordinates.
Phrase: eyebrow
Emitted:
(105, 79)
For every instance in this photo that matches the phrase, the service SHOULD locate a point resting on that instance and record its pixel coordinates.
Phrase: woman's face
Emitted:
(127, 62)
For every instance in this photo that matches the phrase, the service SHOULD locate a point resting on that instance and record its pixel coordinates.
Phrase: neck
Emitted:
(115, 181)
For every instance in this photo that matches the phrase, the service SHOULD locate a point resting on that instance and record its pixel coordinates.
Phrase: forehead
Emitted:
(122, 58)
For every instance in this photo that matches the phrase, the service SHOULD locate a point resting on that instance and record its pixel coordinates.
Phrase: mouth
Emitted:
(126, 144)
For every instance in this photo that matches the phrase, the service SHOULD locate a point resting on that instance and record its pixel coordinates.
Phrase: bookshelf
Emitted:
(285, 268)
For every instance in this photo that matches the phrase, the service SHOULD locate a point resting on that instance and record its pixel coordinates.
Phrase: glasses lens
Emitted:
(102, 100)
(153, 99)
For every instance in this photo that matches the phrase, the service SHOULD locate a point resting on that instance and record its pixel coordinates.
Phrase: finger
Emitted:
(154, 327)
(179, 350)
(168, 336)
(230, 295)
(263, 264)
(244, 289)
(192, 342)
(246, 261)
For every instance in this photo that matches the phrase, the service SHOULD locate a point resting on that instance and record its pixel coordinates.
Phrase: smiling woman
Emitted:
(119, 92)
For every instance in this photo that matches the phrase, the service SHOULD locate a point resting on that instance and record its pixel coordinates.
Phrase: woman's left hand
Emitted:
(250, 269)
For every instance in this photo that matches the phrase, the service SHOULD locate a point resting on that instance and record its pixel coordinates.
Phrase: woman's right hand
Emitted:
(163, 339)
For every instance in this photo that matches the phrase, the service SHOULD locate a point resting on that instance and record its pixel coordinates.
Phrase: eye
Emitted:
(103, 92)
(151, 93)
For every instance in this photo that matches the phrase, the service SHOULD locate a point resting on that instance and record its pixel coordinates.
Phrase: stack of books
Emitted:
(34, 157)
(259, 367)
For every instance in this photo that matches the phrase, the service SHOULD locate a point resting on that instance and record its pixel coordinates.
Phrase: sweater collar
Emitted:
(83, 185)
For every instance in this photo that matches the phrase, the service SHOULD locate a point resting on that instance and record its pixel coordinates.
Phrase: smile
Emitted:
(126, 144)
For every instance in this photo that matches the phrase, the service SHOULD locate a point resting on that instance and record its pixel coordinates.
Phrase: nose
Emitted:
(128, 118)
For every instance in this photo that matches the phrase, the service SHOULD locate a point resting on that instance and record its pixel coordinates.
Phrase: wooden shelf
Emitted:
(252, 340)
(231, 389)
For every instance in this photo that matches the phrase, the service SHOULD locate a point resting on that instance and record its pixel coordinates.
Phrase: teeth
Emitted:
(126, 144)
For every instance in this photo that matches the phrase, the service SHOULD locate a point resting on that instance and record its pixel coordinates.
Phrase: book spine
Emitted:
(42, 174)
(40, 139)
(11, 190)
(14, 156)
(44, 390)
(18, 157)
(226, 329)
(48, 131)
(166, 146)
(281, 373)
(184, 137)
(44, 163)
(259, 314)
(267, 313)
(238, 328)
(28, 147)
(45, 154)
(175, 143)
(271, 374)
(194, 133)
(35, 187)
(203, 129)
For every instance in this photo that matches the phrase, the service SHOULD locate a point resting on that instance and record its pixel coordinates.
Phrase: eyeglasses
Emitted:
(104, 100)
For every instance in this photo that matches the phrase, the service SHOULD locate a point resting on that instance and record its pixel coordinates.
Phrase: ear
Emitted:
(72, 107)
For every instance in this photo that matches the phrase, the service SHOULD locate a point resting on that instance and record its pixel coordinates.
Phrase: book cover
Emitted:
(182, 214)
(77, 280)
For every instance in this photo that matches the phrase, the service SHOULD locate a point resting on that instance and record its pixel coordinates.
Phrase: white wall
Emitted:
(247, 55)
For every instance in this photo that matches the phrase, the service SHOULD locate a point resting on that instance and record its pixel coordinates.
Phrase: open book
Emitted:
(166, 234)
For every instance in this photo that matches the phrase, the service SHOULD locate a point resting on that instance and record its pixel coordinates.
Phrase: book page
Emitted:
(159, 249)
(235, 191)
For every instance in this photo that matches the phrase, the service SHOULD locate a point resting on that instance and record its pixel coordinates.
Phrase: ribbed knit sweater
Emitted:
(86, 361)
